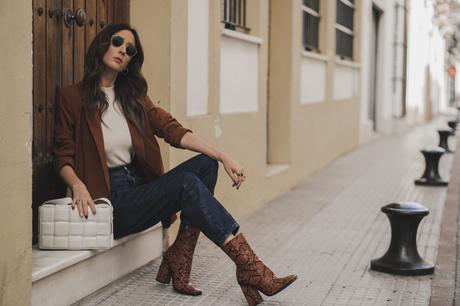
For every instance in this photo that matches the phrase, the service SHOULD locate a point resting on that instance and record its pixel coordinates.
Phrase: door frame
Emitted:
(375, 66)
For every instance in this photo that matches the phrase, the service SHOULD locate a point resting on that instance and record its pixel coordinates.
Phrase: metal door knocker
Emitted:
(79, 17)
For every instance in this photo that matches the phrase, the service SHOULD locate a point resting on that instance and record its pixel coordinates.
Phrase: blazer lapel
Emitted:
(96, 132)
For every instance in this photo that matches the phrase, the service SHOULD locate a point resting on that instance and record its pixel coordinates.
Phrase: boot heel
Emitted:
(164, 274)
(252, 296)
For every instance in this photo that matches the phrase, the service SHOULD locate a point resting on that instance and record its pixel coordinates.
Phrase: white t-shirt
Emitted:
(117, 139)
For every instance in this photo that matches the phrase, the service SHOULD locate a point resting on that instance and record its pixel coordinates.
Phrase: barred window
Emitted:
(234, 14)
(344, 28)
(311, 17)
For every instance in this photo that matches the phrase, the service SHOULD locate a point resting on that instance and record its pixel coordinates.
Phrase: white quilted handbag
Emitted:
(61, 227)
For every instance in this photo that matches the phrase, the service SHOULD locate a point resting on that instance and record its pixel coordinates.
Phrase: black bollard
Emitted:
(402, 256)
(444, 140)
(431, 175)
(452, 124)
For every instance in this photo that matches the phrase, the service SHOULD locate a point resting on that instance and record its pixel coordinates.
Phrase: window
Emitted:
(310, 36)
(344, 28)
(234, 14)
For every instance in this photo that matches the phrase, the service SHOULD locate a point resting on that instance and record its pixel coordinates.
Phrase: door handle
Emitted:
(79, 17)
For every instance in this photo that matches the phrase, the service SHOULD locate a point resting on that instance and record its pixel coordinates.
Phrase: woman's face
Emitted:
(115, 58)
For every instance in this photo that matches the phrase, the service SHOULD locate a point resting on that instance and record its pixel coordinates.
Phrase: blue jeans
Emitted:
(189, 188)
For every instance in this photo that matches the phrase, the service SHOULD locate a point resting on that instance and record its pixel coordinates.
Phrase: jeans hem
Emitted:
(234, 230)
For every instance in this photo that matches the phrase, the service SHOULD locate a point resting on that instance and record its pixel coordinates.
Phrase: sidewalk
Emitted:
(327, 229)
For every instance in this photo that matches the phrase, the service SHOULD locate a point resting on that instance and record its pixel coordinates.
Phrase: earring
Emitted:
(125, 72)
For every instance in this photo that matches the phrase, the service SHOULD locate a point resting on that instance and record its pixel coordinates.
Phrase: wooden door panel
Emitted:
(79, 47)
(121, 11)
(39, 88)
(101, 18)
(91, 11)
(109, 11)
(53, 72)
(66, 48)
(58, 60)
(39, 98)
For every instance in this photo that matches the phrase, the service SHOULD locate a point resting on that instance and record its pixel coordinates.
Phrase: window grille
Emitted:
(311, 17)
(344, 28)
(234, 14)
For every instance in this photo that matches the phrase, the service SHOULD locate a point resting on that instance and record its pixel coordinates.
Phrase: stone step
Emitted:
(64, 277)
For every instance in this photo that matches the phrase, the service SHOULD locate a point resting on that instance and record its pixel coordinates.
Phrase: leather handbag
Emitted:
(61, 227)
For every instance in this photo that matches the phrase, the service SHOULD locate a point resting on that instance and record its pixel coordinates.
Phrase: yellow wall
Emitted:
(15, 153)
(305, 137)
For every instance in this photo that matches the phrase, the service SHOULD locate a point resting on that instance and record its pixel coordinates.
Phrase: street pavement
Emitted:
(326, 230)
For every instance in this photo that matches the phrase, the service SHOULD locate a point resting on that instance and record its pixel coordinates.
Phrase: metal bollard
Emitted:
(402, 256)
(431, 175)
(452, 124)
(444, 140)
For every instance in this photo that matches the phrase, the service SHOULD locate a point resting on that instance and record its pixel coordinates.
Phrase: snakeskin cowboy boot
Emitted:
(177, 261)
(252, 274)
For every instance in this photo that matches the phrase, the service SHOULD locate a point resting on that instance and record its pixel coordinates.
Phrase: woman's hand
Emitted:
(234, 170)
(82, 200)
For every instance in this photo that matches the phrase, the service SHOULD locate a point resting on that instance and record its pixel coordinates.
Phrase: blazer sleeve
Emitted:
(64, 126)
(164, 125)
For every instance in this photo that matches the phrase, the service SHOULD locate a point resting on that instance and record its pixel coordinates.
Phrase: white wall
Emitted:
(418, 54)
(457, 79)
(390, 73)
(239, 75)
(426, 51)
(438, 70)
(345, 82)
(312, 79)
(197, 52)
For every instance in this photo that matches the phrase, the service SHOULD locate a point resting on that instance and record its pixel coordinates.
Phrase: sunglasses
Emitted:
(117, 41)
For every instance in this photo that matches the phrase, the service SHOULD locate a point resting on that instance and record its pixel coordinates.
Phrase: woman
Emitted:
(105, 146)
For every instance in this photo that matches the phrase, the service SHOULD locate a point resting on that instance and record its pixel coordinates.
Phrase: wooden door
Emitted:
(59, 49)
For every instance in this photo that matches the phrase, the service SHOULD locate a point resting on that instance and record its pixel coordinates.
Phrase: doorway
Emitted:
(374, 66)
(62, 32)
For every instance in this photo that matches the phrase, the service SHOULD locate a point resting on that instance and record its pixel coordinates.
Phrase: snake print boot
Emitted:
(252, 274)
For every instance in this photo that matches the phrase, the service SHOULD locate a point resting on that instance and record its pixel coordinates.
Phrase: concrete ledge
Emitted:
(64, 277)
(242, 36)
(443, 284)
(274, 169)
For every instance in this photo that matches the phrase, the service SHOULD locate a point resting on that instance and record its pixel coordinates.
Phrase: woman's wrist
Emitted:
(76, 185)
(221, 156)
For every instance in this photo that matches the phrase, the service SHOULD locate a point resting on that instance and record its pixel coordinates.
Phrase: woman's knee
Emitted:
(188, 180)
(209, 162)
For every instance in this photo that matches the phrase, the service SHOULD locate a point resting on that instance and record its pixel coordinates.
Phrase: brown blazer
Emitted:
(78, 141)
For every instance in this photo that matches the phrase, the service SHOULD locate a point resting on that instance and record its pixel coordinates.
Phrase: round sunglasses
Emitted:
(117, 41)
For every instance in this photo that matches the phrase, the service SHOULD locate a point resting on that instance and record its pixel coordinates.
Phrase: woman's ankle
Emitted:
(227, 240)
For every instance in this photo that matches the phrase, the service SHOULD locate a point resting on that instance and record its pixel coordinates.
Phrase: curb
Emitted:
(443, 284)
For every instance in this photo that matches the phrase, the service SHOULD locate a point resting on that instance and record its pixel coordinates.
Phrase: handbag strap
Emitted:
(104, 200)
(68, 201)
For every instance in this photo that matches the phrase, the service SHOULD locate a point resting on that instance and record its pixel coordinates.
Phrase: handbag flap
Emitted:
(68, 201)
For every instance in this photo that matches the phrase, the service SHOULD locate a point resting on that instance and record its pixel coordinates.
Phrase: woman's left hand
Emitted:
(234, 170)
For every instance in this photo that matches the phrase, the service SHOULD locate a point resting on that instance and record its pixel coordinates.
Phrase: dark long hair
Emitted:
(130, 86)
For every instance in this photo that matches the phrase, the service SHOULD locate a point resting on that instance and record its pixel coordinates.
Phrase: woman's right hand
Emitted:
(82, 200)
